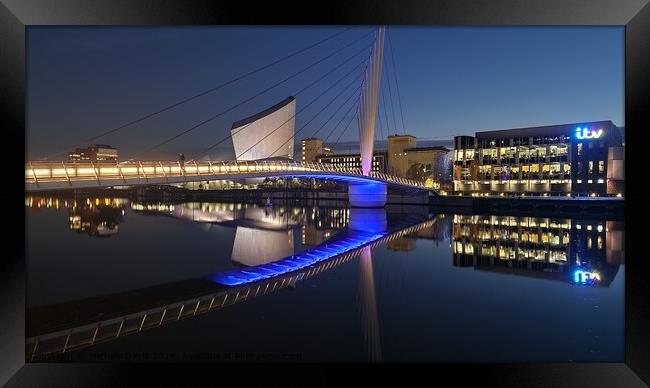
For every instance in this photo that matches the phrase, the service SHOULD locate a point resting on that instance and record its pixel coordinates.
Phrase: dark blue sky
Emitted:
(453, 81)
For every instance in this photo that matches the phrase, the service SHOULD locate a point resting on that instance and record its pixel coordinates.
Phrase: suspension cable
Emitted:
(215, 88)
(293, 136)
(342, 118)
(345, 129)
(392, 55)
(390, 96)
(229, 136)
(259, 94)
(322, 94)
(383, 99)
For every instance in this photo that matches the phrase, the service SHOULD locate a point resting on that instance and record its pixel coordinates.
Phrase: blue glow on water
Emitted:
(296, 262)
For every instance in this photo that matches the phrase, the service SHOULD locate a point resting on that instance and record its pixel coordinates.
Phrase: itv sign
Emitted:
(586, 133)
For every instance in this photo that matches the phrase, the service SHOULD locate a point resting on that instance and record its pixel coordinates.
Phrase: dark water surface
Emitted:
(454, 288)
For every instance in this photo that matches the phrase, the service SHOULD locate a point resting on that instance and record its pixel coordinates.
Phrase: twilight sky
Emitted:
(83, 81)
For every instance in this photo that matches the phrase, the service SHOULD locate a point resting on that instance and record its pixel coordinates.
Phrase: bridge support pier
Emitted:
(367, 194)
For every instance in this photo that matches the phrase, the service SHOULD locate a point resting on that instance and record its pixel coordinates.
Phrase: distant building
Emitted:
(583, 158)
(354, 160)
(266, 134)
(311, 148)
(403, 154)
(94, 153)
(397, 144)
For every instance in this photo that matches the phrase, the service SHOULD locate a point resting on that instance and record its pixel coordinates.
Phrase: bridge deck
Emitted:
(66, 175)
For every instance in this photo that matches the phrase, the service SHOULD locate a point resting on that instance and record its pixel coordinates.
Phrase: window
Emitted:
(601, 166)
(602, 144)
(591, 166)
(591, 145)
(579, 148)
(579, 167)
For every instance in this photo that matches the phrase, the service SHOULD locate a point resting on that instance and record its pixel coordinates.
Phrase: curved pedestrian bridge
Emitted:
(363, 190)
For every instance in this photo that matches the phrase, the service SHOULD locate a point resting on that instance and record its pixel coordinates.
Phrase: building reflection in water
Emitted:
(97, 217)
(569, 250)
(437, 232)
(572, 250)
(257, 246)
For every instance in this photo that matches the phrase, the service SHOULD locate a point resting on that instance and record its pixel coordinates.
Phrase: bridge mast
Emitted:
(368, 105)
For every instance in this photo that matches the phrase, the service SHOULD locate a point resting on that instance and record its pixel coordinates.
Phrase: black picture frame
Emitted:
(16, 15)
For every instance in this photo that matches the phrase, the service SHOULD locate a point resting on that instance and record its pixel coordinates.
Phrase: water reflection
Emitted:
(577, 251)
(97, 217)
(267, 258)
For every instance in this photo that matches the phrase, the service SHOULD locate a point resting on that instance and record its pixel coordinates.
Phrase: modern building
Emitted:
(354, 160)
(266, 134)
(578, 159)
(94, 153)
(311, 148)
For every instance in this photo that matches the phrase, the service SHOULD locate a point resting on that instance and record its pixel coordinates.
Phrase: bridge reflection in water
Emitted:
(584, 252)
(61, 328)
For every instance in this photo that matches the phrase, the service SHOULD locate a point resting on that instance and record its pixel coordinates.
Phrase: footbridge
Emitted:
(364, 190)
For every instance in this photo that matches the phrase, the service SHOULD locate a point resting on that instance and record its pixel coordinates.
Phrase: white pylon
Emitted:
(368, 103)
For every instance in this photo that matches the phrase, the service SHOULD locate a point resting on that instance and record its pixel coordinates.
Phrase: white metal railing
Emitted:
(70, 172)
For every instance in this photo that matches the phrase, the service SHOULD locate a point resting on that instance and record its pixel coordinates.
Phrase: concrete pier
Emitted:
(367, 194)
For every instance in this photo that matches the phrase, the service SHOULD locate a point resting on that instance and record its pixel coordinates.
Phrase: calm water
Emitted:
(114, 274)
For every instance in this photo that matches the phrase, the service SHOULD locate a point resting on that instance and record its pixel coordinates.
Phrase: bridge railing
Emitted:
(69, 172)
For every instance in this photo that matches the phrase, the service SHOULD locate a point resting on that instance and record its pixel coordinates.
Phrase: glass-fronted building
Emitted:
(577, 159)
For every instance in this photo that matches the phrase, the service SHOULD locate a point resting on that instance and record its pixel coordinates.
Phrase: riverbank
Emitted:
(560, 206)
(598, 207)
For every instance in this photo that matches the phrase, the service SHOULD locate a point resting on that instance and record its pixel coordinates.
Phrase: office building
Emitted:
(577, 159)
(354, 160)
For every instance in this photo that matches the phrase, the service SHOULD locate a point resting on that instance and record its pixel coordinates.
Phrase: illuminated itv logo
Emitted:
(586, 133)
(585, 277)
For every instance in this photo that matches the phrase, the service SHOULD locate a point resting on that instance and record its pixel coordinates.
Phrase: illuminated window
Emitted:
(601, 166)
(600, 242)
(591, 166)
(579, 148)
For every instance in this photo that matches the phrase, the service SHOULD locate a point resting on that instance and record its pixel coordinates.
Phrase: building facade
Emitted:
(94, 153)
(266, 134)
(311, 148)
(397, 162)
(578, 159)
(354, 160)
(403, 155)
